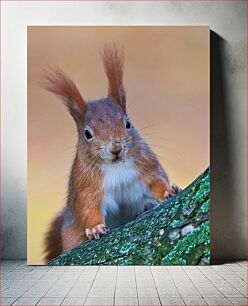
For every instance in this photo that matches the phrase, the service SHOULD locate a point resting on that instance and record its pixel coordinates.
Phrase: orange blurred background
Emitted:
(167, 84)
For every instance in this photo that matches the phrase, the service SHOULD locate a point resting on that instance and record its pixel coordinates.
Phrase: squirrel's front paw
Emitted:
(96, 232)
(174, 190)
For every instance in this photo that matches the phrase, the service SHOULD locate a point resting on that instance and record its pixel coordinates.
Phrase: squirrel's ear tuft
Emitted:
(62, 85)
(113, 60)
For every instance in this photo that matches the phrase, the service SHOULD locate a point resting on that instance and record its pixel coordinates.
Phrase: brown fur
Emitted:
(53, 240)
(113, 60)
(106, 119)
(60, 84)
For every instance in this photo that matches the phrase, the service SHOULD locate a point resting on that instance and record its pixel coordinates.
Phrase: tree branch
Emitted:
(176, 232)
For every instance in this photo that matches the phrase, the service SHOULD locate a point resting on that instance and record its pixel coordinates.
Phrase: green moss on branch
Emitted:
(176, 232)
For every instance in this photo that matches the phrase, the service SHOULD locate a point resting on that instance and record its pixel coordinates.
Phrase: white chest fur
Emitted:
(123, 190)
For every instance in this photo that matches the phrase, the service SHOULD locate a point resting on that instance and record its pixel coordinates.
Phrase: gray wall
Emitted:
(227, 20)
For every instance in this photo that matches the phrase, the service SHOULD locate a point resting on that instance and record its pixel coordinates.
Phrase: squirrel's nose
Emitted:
(115, 147)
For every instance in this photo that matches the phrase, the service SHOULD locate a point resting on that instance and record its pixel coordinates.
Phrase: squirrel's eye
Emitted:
(87, 134)
(128, 125)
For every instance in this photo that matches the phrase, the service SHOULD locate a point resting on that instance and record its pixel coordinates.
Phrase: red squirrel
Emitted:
(115, 174)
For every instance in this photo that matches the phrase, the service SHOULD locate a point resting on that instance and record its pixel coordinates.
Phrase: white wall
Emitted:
(228, 103)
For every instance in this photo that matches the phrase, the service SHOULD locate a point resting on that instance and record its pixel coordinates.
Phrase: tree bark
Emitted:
(177, 232)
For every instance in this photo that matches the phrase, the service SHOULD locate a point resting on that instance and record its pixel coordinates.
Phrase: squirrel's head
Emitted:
(105, 133)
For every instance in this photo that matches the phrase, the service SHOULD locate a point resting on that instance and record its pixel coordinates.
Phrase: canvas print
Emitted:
(118, 145)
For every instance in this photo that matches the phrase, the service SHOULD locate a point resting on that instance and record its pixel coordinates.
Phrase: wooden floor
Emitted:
(192, 285)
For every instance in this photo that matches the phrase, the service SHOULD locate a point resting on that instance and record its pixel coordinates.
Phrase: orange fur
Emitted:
(151, 172)
(72, 236)
(89, 214)
(158, 188)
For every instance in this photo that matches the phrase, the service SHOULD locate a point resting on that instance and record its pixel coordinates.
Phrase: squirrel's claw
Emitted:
(173, 191)
(96, 232)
